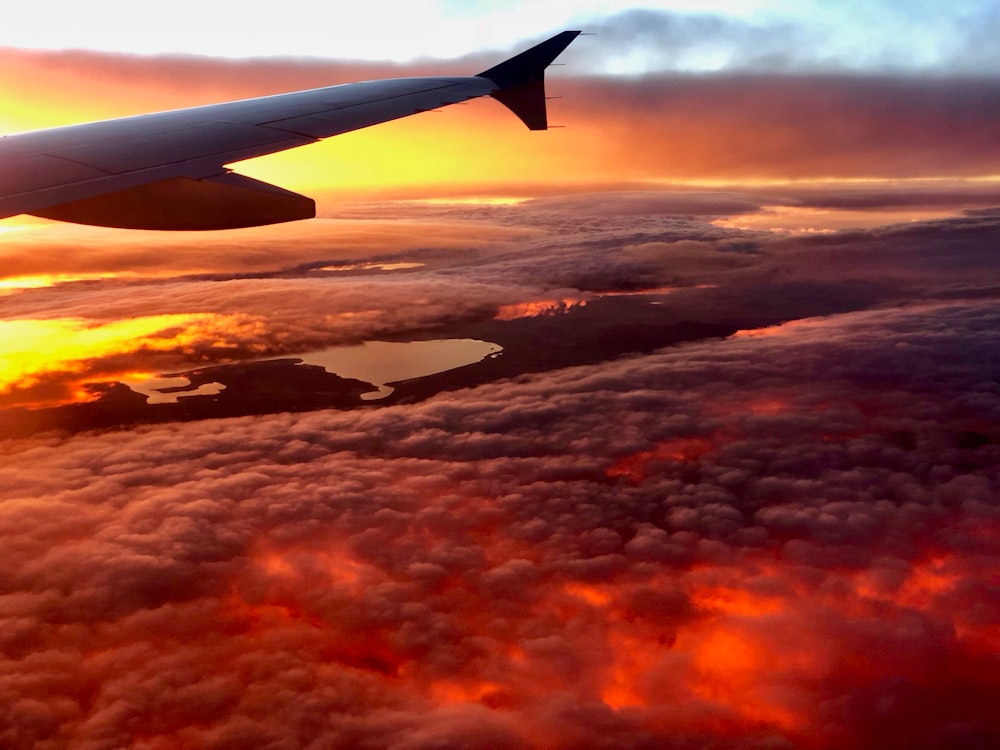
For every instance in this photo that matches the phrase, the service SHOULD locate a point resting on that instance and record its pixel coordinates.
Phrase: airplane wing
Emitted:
(168, 170)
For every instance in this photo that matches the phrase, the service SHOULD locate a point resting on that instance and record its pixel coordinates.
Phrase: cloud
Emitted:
(733, 126)
(639, 203)
(141, 83)
(470, 569)
(53, 248)
(782, 538)
(847, 37)
(472, 264)
(650, 41)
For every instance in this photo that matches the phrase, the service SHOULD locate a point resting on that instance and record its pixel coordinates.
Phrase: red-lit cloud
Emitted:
(478, 570)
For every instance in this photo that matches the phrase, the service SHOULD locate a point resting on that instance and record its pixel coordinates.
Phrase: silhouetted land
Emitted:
(605, 328)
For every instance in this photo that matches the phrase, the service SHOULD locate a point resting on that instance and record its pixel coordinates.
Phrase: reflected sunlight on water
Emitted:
(166, 390)
(49, 361)
(381, 362)
(375, 362)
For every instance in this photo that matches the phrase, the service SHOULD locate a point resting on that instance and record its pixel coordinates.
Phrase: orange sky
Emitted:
(694, 129)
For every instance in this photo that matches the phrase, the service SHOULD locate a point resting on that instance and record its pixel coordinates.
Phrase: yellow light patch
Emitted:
(31, 350)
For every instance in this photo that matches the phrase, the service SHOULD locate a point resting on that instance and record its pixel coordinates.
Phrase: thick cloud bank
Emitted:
(782, 539)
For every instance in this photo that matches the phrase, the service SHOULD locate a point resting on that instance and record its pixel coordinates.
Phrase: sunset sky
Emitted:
(727, 478)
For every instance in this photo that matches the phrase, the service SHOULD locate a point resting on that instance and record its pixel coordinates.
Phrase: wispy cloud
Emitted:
(856, 37)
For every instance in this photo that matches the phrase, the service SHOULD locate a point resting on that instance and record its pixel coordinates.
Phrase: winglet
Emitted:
(521, 79)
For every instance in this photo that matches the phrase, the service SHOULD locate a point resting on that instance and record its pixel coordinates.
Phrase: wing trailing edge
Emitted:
(226, 201)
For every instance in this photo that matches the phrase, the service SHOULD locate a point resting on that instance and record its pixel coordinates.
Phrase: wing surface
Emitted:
(168, 170)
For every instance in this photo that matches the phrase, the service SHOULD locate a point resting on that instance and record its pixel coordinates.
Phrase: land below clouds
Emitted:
(602, 329)
(622, 274)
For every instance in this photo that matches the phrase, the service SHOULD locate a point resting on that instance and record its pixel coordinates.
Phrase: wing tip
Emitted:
(520, 80)
(530, 64)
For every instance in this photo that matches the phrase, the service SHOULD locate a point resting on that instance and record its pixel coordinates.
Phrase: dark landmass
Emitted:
(614, 326)
(603, 329)
(251, 388)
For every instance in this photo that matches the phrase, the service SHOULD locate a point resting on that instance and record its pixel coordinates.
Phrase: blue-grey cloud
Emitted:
(858, 37)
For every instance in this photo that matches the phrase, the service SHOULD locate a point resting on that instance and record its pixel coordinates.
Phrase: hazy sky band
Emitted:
(884, 35)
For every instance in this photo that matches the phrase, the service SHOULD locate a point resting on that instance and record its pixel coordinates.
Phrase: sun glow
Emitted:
(60, 355)
(433, 151)
(537, 308)
(14, 284)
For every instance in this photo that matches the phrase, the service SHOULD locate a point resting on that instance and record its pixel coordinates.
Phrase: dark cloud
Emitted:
(725, 126)
(72, 250)
(912, 196)
(642, 203)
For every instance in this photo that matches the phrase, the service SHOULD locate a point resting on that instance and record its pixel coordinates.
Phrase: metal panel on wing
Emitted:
(182, 144)
(330, 121)
(39, 172)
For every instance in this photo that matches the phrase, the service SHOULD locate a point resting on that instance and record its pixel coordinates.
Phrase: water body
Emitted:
(151, 389)
(375, 362)
(381, 362)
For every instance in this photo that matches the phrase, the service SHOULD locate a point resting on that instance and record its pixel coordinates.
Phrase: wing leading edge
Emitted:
(168, 170)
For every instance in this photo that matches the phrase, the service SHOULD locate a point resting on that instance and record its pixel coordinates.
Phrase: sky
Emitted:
(728, 477)
(684, 34)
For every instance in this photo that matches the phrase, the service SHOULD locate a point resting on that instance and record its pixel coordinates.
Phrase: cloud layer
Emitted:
(787, 540)
(466, 265)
